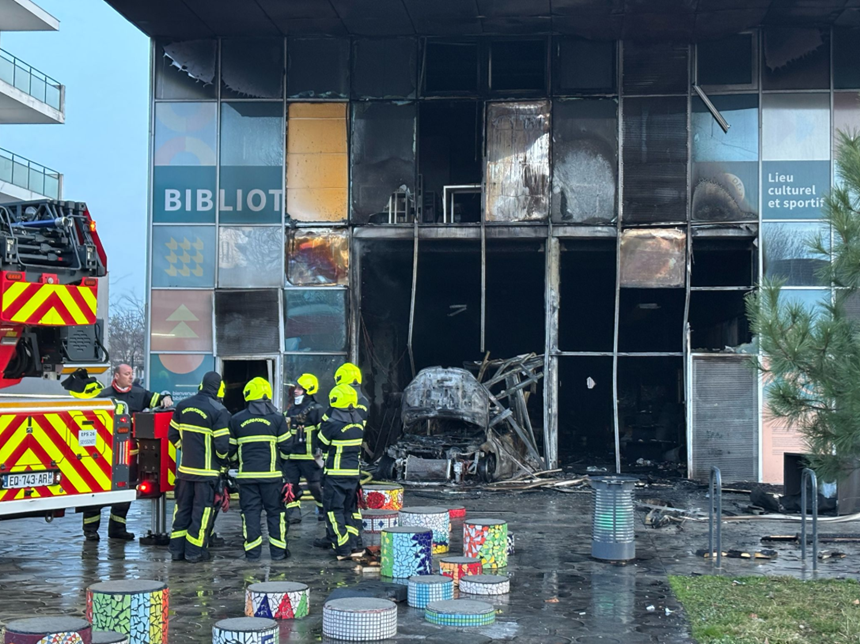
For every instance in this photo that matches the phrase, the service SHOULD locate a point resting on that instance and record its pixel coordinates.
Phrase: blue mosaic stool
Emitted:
(424, 589)
(109, 637)
(246, 630)
(405, 552)
(485, 585)
(435, 518)
(359, 619)
(460, 612)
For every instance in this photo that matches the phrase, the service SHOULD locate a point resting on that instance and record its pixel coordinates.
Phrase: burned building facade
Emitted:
(420, 193)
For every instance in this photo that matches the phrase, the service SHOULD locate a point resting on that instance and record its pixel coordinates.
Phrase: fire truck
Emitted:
(56, 454)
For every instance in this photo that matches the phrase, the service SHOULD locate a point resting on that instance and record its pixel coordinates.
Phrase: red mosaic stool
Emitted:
(48, 630)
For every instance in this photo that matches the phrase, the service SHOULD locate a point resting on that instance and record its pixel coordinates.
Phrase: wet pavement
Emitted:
(558, 593)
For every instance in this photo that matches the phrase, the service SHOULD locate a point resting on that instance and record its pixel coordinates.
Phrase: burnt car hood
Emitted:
(438, 393)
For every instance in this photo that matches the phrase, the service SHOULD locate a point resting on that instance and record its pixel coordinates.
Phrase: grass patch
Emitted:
(770, 610)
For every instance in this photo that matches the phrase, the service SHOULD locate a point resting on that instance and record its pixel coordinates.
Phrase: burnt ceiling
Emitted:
(679, 20)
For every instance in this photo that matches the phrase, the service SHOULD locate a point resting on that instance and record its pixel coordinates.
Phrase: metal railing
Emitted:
(715, 491)
(30, 80)
(31, 176)
(809, 476)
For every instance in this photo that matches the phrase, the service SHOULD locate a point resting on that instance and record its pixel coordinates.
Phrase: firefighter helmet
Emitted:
(258, 389)
(82, 385)
(309, 383)
(347, 374)
(343, 397)
(91, 390)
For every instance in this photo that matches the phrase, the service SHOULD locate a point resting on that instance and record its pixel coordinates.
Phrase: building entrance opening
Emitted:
(236, 374)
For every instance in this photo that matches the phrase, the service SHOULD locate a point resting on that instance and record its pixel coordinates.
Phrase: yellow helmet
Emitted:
(309, 383)
(91, 390)
(258, 389)
(347, 374)
(222, 390)
(343, 397)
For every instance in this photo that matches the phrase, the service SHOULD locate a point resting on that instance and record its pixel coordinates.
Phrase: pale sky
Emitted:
(102, 148)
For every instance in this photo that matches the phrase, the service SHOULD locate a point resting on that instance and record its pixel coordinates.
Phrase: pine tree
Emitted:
(811, 356)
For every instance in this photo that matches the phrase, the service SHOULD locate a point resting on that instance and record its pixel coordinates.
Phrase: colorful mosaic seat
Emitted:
(135, 607)
(246, 630)
(48, 630)
(277, 600)
(359, 619)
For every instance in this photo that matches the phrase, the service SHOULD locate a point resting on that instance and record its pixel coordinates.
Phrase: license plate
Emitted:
(30, 479)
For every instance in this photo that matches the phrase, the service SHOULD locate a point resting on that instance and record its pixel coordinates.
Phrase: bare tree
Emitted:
(127, 332)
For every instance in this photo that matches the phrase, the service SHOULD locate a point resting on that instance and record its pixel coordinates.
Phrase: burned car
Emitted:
(454, 430)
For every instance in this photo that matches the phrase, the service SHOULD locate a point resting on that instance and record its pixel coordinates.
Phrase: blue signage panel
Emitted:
(794, 189)
(179, 374)
(183, 194)
(251, 194)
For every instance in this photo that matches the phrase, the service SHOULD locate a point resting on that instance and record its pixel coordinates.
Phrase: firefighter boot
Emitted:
(116, 526)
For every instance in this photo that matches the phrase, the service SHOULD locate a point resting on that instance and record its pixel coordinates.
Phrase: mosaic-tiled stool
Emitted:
(457, 512)
(424, 589)
(48, 630)
(460, 612)
(246, 630)
(134, 607)
(382, 496)
(360, 619)
(406, 551)
(432, 517)
(487, 540)
(459, 567)
(373, 522)
(485, 585)
(277, 600)
(511, 544)
(109, 637)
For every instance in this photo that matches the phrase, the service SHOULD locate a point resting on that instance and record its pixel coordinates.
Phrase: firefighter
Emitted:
(260, 440)
(350, 374)
(137, 399)
(200, 428)
(341, 437)
(304, 416)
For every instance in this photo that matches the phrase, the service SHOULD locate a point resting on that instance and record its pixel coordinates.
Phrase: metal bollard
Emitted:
(809, 475)
(715, 490)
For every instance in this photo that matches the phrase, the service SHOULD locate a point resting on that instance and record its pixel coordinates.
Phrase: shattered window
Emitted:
(318, 68)
(185, 69)
(518, 161)
(250, 256)
(846, 53)
(655, 68)
(585, 160)
(655, 159)
(252, 68)
(796, 58)
(450, 68)
(383, 160)
(183, 173)
(384, 68)
(247, 322)
(725, 164)
(450, 153)
(518, 65)
(318, 257)
(322, 366)
(584, 66)
(727, 61)
(786, 254)
(315, 319)
(252, 157)
(653, 258)
(317, 172)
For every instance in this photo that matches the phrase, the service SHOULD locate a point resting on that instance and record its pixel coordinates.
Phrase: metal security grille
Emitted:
(725, 424)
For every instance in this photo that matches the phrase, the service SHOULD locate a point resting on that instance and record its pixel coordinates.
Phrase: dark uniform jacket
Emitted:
(341, 437)
(200, 429)
(305, 439)
(137, 398)
(261, 441)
